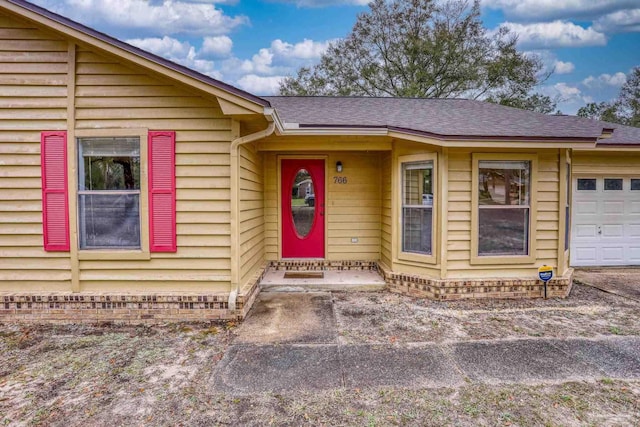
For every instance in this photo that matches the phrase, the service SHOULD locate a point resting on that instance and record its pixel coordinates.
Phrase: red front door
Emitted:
(302, 188)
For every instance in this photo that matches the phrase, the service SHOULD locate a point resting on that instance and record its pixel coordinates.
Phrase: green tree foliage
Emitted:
(625, 109)
(424, 48)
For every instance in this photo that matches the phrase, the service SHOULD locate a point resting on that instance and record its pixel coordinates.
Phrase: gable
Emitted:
(234, 101)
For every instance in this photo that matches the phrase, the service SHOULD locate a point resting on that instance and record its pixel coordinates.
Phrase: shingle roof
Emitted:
(139, 52)
(622, 135)
(436, 117)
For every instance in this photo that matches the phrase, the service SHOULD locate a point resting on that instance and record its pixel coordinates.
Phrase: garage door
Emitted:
(606, 221)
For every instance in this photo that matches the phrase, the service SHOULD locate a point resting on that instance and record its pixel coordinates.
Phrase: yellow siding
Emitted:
(252, 211)
(607, 163)
(33, 78)
(109, 94)
(112, 95)
(385, 237)
(459, 218)
(353, 210)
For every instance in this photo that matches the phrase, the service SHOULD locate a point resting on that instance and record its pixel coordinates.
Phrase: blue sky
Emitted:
(591, 44)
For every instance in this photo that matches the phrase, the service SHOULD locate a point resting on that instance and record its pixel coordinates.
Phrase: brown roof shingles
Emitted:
(442, 117)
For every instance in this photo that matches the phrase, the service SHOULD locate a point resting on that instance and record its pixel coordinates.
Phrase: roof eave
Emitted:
(438, 139)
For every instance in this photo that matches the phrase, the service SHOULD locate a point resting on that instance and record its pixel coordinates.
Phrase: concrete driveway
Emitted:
(619, 281)
(292, 341)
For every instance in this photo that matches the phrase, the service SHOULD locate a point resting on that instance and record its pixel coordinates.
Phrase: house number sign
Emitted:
(339, 179)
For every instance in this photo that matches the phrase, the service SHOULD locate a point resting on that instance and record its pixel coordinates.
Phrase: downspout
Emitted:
(235, 201)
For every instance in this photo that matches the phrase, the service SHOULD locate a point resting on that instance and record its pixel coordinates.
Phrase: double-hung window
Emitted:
(109, 193)
(417, 176)
(504, 189)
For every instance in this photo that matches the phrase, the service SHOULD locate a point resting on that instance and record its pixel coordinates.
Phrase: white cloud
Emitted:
(561, 67)
(555, 34)
(260, 85)
(166, 46)
(324, 3)
(280, 58)
(152, 17)
(619, 22)
(547, 10)
(306, 49)
(180, 52)
(216, 46)
(616, 80)
(567, 92)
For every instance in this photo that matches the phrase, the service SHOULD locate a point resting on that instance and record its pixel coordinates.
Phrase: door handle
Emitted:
(599, 230)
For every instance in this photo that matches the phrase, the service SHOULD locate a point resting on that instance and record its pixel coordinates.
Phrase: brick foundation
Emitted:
(454, 289)
(319, 265)
(148, 308)
(87, 307)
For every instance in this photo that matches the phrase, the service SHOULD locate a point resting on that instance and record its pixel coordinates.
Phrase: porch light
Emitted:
(339, 166)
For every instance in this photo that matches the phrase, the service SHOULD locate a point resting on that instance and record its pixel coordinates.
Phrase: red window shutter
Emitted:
(162, 191)
(55, 201)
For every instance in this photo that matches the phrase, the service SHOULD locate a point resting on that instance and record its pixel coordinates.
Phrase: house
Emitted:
(133, 188)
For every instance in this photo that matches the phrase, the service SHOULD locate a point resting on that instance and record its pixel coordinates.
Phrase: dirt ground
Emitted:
(161, 375)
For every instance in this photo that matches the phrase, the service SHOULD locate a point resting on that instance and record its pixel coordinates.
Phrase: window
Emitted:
(109, 193)
(504, 207)
(417, 207)
(586, 184)
(635, 184)
(613, 184)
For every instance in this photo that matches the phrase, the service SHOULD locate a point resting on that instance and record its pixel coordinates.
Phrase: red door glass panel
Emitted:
(302, 238)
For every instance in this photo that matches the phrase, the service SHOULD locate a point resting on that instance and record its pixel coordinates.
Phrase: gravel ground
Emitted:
(123, 375)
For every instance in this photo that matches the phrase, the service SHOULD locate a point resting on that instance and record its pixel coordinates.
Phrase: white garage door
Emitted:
(606, 221)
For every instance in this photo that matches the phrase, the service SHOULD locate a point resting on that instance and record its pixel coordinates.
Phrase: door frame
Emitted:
(279, 159)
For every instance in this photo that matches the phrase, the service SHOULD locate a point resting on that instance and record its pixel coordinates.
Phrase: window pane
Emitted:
(503, 231)
(418, 183)
(416, 233)
(586, 184)
(635, 184)
(109, 164)
(613, 184)
(504, 183)
(109, 221)
(303, 202)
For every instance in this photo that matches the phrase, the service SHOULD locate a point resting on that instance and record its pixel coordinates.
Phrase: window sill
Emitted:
(502, 259)
(417, 258)
(117, 255)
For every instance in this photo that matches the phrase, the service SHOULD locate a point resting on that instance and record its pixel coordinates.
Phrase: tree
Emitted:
(424, 48)
(625, 109)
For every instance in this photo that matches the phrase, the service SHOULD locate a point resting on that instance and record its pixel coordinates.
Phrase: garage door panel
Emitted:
(613, 207)
(584, 255)
(634, 254)
(586, 231)
(612, 231)
(612, 255)
(585, 208)
(605, 225)
(633, 230)
(634, 208)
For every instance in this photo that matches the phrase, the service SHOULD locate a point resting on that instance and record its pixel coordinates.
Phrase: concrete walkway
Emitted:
(290, 342)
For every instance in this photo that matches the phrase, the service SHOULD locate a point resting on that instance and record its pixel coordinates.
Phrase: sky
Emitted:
(590, 44)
